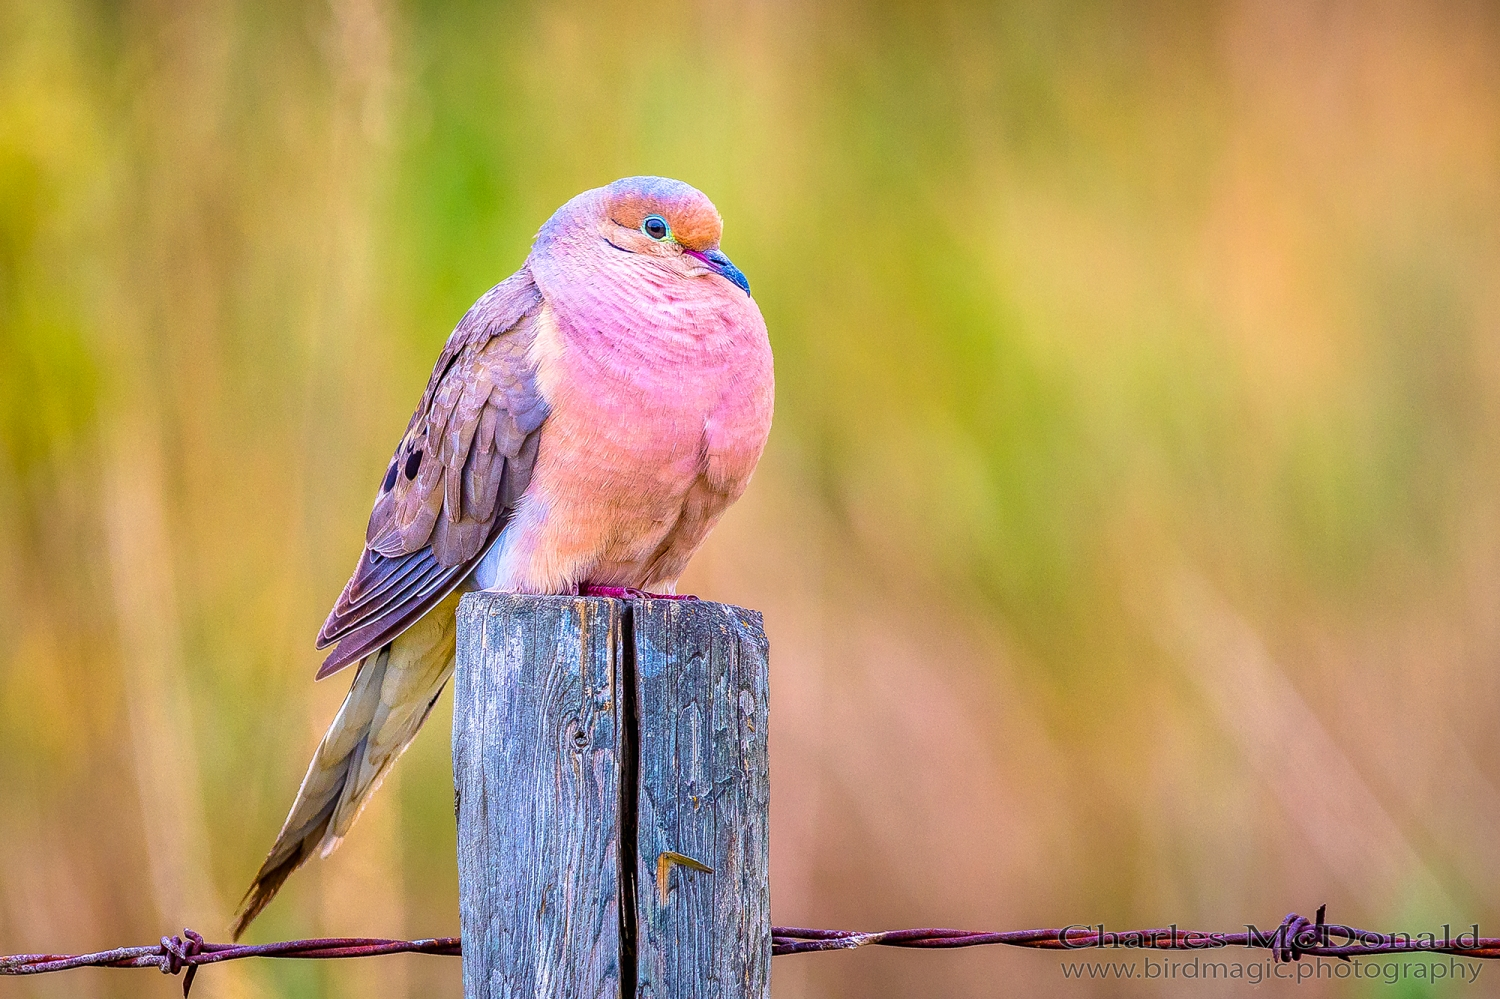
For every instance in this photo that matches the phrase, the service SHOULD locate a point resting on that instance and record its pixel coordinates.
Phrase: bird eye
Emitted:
(656, 227)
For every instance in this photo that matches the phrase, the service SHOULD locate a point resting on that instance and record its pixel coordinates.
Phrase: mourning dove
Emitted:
(586, 425)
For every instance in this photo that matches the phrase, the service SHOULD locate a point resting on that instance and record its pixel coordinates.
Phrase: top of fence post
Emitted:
(612, 789)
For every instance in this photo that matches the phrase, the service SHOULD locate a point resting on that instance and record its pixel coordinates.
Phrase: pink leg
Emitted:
(628, 593)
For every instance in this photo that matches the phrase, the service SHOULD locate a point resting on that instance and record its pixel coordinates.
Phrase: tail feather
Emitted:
(391, 696)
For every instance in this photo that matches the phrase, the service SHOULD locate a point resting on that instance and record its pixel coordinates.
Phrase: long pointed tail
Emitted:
(391, 696)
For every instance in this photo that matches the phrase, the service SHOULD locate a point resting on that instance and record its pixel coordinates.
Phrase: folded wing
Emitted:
(462, 465)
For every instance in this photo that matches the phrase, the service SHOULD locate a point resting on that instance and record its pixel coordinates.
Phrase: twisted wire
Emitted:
(1294, 938)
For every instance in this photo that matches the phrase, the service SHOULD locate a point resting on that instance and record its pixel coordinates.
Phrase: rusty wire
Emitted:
(1294, 938)
(190, 952)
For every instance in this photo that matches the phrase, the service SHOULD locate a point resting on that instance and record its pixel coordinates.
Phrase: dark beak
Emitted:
(720, 264)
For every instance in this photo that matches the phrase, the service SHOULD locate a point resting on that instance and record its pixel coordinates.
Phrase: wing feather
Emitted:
(417, 570)
(460, 468)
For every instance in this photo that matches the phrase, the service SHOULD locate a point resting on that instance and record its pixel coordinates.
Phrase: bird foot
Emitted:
(629, 593)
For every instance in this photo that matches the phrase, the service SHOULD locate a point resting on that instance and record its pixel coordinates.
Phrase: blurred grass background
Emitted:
(1129, 536)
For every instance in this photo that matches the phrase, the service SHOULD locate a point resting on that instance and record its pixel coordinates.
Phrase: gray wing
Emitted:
(464, 462)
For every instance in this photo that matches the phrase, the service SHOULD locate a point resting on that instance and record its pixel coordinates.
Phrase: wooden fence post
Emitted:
(612, 790)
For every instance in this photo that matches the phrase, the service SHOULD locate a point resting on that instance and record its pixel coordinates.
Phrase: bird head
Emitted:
(667, 223)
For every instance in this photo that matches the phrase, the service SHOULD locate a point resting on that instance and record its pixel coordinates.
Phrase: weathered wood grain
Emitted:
(536, 764)
(611, 773)
(704, 794)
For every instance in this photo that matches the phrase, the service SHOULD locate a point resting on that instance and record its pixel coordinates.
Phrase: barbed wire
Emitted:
(1294, 938)
(190, 952)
